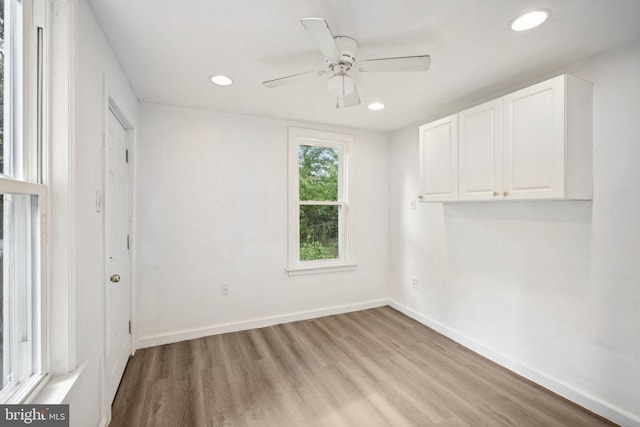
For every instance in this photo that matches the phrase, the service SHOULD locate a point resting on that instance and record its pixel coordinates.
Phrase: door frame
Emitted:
(111, 107)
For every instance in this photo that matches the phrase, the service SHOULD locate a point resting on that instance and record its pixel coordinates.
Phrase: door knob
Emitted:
(115, 278)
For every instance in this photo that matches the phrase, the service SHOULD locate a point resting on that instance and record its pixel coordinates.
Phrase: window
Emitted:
(318, 206)
(22, 201)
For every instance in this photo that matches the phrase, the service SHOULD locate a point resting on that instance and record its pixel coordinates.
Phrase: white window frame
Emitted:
(341, 142)
(28, 170)
(22, 387)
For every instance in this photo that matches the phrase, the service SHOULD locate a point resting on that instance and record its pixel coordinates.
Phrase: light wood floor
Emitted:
(369, 368)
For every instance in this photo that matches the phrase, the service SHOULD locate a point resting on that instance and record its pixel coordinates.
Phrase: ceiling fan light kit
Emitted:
(340, 57)
(340, 84)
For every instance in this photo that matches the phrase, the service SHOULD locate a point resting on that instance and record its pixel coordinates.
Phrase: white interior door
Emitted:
(118, 281)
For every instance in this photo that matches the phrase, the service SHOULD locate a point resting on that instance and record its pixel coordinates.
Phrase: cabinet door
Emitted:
(480, 152)
(534, 152)
(439, 160)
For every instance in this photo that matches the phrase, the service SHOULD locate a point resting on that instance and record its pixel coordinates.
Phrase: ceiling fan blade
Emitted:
(352, 99)
(294, 78)
(322, 37)
(404, 63)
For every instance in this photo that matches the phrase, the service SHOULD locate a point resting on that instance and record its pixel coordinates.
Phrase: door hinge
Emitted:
(129, 327)
(128, 242)
(126, 155)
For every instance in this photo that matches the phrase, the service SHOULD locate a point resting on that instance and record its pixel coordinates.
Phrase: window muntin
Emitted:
(317, 198)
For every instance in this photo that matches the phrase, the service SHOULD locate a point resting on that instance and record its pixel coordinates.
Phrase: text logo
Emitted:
(34, 415)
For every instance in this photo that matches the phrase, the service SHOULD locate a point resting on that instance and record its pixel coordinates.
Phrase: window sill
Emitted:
(57, 389)
(20, 393)
(320, 269)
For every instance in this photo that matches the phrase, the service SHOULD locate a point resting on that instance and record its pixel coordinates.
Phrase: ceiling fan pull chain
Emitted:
(337, 103)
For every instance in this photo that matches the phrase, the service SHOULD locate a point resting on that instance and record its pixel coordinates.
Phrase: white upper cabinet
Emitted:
(439, 160)
(547, 140)
(532, 144)
(480, 151)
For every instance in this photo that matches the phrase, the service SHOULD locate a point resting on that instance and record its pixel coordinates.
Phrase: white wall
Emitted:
(549, 288)
(95, 64)
(212, 208)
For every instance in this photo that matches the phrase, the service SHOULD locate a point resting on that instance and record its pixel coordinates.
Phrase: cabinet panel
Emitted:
(439, 160)
(480, 152)
(534, 141)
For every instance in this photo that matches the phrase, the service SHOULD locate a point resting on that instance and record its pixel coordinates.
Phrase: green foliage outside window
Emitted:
(318, 181)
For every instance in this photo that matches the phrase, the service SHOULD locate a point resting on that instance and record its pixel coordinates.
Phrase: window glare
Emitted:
(3, 345)
(21, 343)
(12, 145)
(19, 248)
(3, 6)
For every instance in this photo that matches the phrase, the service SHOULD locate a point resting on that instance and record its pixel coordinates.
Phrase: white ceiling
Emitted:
(168, 50)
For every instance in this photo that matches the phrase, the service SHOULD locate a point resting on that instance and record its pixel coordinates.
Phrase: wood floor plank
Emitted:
(369, 368)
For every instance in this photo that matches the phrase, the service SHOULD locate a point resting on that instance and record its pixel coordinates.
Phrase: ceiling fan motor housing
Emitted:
(348, 48)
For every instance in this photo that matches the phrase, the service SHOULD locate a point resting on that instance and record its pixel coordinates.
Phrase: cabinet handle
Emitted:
(506, 193)
(495, 193)
(420, 196)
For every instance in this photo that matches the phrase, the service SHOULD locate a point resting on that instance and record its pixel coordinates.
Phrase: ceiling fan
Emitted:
(340, 56)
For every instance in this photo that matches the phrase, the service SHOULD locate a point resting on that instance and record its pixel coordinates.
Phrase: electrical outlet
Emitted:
(415, 282)
(225, 290)
(412, 205)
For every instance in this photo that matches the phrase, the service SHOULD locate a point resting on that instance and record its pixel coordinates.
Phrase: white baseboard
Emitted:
(583, 399)
(189, 334)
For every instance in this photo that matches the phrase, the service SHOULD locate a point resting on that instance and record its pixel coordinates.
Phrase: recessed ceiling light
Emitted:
(375, 106)
(529, 20)
(221, 80)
